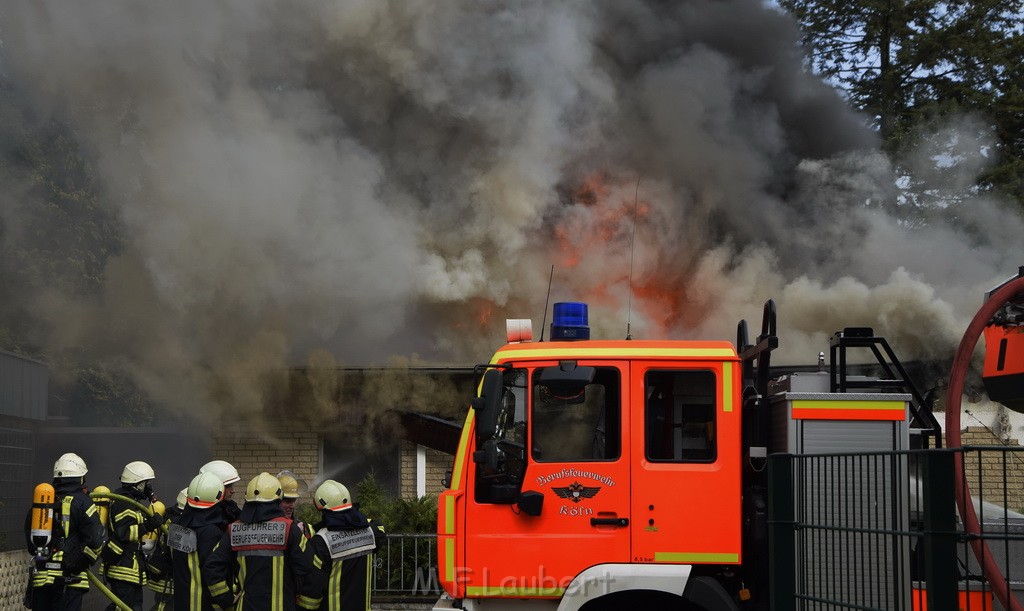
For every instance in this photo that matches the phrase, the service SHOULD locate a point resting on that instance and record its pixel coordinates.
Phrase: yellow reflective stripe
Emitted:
(133, 532)
(221, 587)
(137, 515)
(449, 563)
(115, 547)
(318, 563)
(716, 557)
(727, 387)
(369, 585)
(449, 517)
(277, 581)
(123, 573)
(460, 454)
(335, 587)
(91, 553)
(309, 603)
(624, 353)
(195, 592)
(91, 509)
(65, 508)
(513, 591)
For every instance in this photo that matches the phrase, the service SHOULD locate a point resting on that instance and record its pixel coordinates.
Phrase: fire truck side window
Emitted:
(500, 474)
(680, 416)
(580, 425)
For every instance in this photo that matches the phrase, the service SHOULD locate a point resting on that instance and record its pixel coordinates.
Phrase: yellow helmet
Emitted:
(263, 488)
(289, 487)
(332, 496)
(292, 486)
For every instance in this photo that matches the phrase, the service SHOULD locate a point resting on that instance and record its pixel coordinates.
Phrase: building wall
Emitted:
(999, 473)
(290, 446)
(437, 466)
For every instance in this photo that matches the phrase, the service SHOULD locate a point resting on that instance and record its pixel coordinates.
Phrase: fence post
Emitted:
(781, 532)
(941, 574)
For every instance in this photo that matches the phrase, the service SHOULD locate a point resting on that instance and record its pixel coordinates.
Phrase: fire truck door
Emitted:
(685, 428)
(578, 459)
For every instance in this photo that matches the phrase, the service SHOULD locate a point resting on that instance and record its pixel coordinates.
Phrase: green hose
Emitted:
(94, 580)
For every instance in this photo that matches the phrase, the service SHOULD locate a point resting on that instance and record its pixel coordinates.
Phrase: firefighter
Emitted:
(75, 541)
(228, 475)
(268, 554)
(123, 557)
(291, 488)
(191, 537)
(158, 564)
(344, 544)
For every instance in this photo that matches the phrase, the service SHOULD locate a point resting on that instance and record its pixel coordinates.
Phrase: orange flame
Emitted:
(596, 234)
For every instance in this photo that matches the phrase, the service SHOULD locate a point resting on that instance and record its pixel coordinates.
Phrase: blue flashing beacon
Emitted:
(570, 322)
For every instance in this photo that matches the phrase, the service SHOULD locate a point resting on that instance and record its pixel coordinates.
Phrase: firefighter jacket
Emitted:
(123, 558)
(158, 565)
(191, 537)
(343, 546)
(265, 554)
(76, 541)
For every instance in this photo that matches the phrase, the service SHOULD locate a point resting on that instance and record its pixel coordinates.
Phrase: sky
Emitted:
(362, 182)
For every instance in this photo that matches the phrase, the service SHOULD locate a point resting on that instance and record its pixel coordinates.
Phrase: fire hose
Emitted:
(93, 579)
(961, 363)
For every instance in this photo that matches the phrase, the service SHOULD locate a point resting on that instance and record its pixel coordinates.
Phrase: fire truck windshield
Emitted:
(576, 424)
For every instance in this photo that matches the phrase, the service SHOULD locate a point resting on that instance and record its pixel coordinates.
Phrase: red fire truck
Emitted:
(626, 474)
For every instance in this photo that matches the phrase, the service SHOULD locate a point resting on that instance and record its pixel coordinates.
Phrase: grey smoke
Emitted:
(376, 178)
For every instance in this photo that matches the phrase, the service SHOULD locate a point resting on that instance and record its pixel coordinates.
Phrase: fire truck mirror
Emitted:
(530, 502)
(488, 404)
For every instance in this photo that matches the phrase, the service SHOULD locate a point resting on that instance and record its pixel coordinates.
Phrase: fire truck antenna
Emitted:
(632, 241)
(544, 319)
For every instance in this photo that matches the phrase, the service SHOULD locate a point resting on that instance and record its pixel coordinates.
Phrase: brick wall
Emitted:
(291, 446)
(991, 472)
(437, 466)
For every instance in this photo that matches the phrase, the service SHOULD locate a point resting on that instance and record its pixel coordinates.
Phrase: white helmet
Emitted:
(182, 498)
(205, 491)
(222, 469)
(137, 471)
(70, 465)
(332, 496)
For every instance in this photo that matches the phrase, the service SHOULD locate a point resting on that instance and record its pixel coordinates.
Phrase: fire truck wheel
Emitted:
(706, 594)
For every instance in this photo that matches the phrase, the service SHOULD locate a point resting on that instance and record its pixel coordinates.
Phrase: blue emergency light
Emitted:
(570, 321)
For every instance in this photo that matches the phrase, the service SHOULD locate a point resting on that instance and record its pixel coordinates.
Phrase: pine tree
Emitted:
(912, 65)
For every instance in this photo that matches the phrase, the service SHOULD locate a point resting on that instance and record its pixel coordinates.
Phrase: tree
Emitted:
(912, 64)
(57, 232)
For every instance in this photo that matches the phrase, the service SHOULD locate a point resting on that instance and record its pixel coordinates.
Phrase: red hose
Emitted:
(961, 362)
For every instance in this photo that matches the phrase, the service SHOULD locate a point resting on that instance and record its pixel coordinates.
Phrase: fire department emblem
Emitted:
(576, 492)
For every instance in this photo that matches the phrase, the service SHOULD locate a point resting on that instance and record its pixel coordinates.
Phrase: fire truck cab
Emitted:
(597, 473)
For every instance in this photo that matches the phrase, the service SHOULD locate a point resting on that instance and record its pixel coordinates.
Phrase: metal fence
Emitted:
(406, 566)
(881, 530)
(15, 480)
